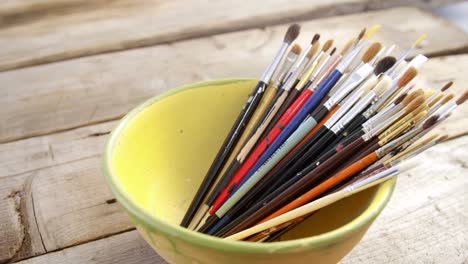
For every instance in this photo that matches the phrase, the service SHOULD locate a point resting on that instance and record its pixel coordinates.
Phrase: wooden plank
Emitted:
(45, 151)
(425, 220)
(49, 150)
(127, 248)
(41, 31)
(19, 237)
(65, 95)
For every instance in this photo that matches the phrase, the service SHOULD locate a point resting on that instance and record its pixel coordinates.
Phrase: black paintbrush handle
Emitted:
(290, 166)
(223, 182)
(225, 151)
(299, 186)
(350, 128)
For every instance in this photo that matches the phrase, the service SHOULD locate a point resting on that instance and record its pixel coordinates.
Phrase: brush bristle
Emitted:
(412, 96)
(414, 104)
(430, 122)
(462, 98)
(333, 51)
(372, 31)
(447, 99)
(315, 47)
(327, 45)
(428, 93)
(371, 52)
(407, 77)
(435, 100)
(315, 39)
(296, 49)
(292, 33)
(311, 52)
(384, 64)
(361, 34)
(442, 138)
(383, 85)
(446, 86)
(421, 114)
(347, 46)
(419, 40)
(400, 98)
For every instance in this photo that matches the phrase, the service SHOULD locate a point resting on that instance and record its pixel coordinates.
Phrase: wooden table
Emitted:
(71, 68)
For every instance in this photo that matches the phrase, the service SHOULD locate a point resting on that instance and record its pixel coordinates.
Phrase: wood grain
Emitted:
(418, 218)
(127, 248)
(426, 220)
(73, 206)
(70, 94)
(42, 31)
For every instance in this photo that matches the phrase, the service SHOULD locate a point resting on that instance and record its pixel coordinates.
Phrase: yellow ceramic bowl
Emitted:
(158, 155)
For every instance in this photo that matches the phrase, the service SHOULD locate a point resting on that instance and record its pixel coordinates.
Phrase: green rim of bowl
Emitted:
(148, 221)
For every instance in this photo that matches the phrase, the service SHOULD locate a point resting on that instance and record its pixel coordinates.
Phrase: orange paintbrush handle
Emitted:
(326, 185)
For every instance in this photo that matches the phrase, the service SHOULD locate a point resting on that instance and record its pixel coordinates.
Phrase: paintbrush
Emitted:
(264, 104)
(316, 170)
(304, 104)
(291, 142)
(362, 118)
(239, 125)
(385, 147)
(322, 58)
(281, 96)
(295, 121)
(407, 53)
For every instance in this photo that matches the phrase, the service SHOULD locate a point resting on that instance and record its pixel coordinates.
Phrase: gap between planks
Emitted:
(57, 30)
(410, 216)
(60, 96)
(70, 195)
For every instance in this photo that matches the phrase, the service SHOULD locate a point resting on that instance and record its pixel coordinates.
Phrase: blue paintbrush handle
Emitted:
(308, 107)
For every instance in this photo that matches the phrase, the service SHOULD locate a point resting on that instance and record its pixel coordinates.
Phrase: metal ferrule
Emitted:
(388, 173)
(433, 96)
(382, 126)
(344, 108)
(323, 61)
(377, 56)
(354, 112)
(266, 76)
(382, 116)
(348, 59)
(402, 57)
(352, 82)
(329, 68)
(444, 112)
(397, 142)
(383, 99)
(288, 62)
(416, 62)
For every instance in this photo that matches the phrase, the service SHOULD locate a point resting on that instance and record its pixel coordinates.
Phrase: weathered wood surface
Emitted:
(421, 224)
(40, 31)
(128, 248)
(99, 88)
(73, 205)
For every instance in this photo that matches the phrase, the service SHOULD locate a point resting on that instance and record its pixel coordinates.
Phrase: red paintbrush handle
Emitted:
(262, 146)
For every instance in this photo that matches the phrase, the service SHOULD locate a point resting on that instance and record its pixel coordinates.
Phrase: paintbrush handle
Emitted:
(226, 148)
(243, 144)
(326, 185)
(251, 161)
(278, 221)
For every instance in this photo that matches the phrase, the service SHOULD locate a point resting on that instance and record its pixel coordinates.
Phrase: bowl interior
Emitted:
(162, 153)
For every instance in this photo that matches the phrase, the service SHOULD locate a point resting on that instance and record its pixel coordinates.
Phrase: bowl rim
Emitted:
(140, 215)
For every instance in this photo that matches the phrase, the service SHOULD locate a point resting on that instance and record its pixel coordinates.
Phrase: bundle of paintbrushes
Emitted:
(320, 125)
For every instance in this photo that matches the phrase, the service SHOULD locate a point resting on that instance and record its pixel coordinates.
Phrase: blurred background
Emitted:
(71, 69)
